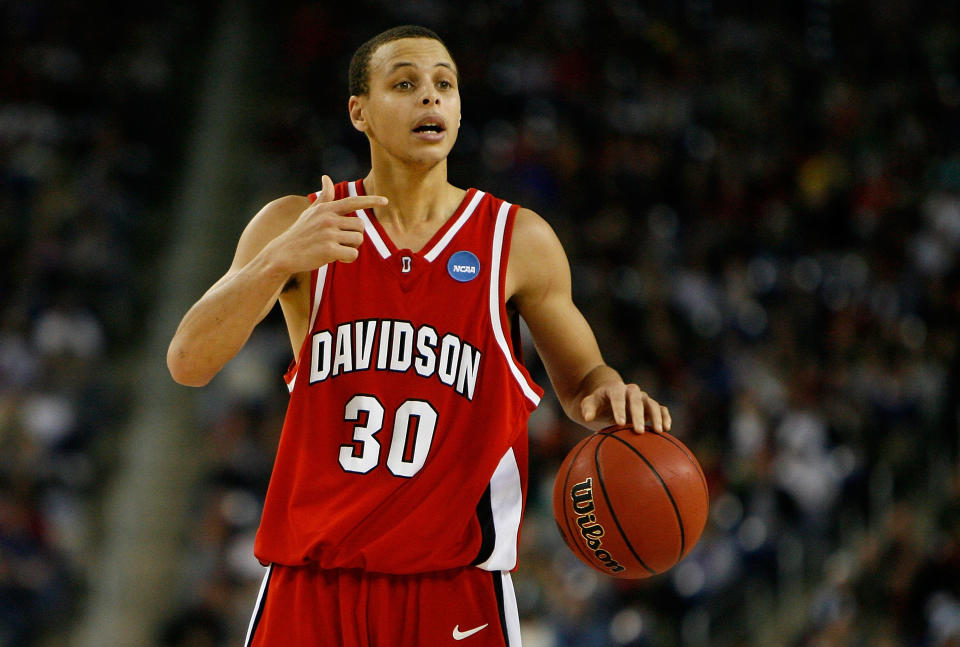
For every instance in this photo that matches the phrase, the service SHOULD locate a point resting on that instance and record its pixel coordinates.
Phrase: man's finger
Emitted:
(347, 253)
(635, 404)
(667, 420)
(618, 406)
(652, 411)
(348, 222)
(329, 192)
(356, 203)
(351, 238)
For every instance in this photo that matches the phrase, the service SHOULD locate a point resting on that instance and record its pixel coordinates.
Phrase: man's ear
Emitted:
(355, 108)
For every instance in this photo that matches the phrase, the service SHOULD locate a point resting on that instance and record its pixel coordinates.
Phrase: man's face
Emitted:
(412, 111)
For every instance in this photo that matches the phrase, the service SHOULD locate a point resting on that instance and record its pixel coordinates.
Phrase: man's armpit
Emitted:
(292, 284)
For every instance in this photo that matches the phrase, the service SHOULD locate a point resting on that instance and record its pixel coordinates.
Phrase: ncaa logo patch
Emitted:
(463, 266)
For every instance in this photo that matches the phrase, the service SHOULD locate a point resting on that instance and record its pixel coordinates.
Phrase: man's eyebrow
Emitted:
(400, 64)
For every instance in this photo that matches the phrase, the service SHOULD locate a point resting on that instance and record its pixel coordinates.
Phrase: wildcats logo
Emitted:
(463, 266)
(581, 496)
(399, 348)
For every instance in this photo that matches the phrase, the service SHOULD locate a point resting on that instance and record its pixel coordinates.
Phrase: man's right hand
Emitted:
(326, 231)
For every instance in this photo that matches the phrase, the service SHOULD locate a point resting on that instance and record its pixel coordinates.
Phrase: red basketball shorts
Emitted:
(305, 606)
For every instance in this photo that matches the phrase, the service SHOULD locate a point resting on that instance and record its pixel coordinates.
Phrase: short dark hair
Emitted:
(360, 63)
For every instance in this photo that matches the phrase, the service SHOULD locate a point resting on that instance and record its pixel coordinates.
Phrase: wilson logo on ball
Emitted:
(581, 496)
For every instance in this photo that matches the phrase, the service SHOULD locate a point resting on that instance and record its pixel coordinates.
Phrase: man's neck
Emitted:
(418, 197)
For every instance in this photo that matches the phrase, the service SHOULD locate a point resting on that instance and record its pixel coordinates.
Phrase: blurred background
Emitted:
(761, 204)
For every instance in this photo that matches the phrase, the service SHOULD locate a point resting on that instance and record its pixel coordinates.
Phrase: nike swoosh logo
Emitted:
(460, 635)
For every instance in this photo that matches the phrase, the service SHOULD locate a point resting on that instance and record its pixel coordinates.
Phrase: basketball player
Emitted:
(393, 510)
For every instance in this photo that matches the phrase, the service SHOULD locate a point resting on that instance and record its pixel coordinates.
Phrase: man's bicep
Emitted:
(541, 276)
(271, 221)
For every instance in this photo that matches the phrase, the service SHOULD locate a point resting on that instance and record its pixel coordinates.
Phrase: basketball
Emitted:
(630, 505)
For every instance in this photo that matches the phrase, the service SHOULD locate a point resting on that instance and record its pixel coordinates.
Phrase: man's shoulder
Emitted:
(524, 217)
(531, 228)
(277, 215)
(286, 205)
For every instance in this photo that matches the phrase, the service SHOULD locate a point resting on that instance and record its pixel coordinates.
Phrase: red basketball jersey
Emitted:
(404, 447)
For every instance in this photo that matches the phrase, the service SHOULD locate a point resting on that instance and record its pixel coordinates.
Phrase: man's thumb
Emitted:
(588, 408)
(328, 192)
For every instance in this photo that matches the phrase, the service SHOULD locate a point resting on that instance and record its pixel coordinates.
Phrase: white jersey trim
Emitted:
(506, 503)
(495, 305)
(461, 221)
(368, 227)
(317, 295)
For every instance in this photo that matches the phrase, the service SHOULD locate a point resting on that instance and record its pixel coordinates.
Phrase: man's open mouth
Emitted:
(430, 125)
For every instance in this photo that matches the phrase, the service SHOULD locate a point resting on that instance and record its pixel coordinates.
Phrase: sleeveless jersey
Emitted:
(404, 447)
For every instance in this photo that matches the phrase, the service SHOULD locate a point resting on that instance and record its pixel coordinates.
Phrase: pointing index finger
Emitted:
(356, 203)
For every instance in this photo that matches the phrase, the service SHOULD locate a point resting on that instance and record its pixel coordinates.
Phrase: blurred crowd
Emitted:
(762, 210)
(88, 99)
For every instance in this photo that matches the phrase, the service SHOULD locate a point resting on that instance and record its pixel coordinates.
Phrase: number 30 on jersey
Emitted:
(414, 422)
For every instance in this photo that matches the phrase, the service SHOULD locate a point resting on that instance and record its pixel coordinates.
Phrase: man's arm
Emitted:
(287, 238)
(538, 282)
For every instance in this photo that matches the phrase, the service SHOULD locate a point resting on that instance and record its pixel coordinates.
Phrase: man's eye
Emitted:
(446, 85)
(403, 85)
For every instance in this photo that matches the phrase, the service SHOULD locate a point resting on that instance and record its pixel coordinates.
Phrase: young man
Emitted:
(393, 510)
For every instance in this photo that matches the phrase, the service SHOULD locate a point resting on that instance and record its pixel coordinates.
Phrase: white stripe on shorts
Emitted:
(511, 615)
(258, 607)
